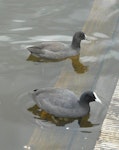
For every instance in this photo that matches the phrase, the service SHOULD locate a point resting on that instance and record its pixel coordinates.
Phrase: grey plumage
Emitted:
(58, 50)
(63, 102)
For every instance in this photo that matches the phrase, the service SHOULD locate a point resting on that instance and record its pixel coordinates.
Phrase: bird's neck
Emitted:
(75, 45)
(83, 103)
(84, 106)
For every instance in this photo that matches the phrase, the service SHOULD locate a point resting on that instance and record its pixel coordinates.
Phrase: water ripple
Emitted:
(17, 20)
(45, 38)
(100, 35)
(5, 38)
(22, 29)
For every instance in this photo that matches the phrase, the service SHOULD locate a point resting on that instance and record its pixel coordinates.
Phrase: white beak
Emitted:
(86, 38)
(97, 99)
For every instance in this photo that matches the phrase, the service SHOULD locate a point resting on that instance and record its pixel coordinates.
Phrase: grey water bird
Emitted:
(63, 102)
(58, 50)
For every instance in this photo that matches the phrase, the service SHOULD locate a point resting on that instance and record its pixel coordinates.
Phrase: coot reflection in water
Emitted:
(76, 64)
(45, 117)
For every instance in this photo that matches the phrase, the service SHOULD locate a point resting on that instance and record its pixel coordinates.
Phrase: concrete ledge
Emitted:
(109, 138)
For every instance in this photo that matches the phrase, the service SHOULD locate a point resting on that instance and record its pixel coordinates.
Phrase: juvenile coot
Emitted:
(58, 50)
(63, 102)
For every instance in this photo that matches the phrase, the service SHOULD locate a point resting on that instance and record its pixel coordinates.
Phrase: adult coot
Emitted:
(63, 102)
(58, 50)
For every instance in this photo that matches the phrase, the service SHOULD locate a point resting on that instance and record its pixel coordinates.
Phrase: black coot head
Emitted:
(89, 96)
(79, 35)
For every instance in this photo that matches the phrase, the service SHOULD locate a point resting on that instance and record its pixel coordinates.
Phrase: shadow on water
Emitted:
(76, 64)
(42, 115)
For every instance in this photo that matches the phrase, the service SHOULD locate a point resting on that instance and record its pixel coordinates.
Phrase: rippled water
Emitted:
(26, 23)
